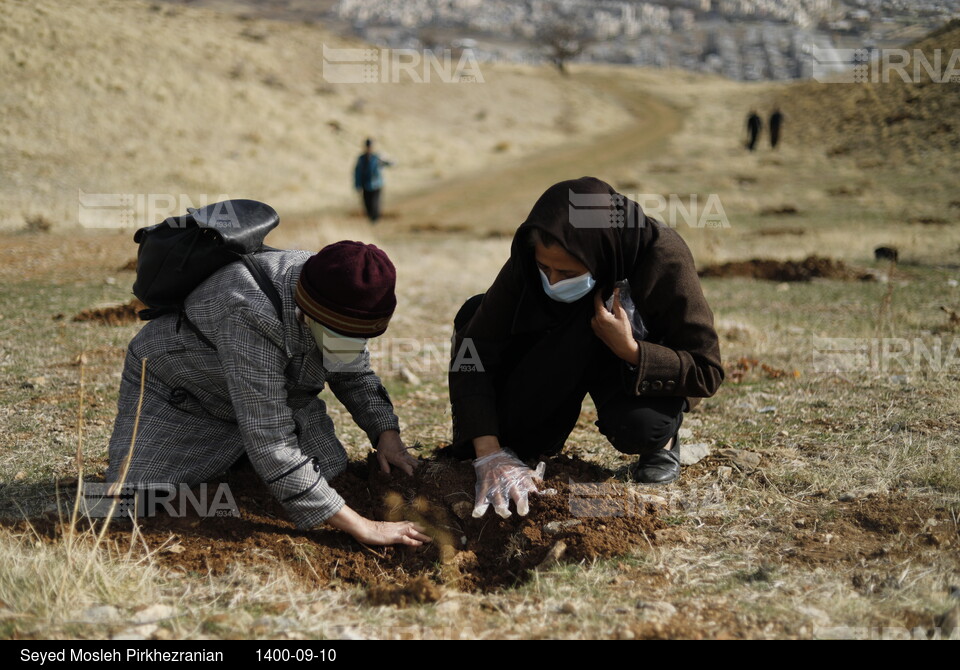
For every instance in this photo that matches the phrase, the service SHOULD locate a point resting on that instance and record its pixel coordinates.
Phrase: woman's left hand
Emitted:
(390, 451)
(614, 328)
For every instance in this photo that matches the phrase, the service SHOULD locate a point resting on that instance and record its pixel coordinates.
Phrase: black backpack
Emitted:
(177, 254)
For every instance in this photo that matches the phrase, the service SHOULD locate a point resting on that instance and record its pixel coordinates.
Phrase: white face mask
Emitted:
(338, 350)
(568, 290)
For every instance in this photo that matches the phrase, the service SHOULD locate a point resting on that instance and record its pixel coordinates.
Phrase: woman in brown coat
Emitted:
(595, 298)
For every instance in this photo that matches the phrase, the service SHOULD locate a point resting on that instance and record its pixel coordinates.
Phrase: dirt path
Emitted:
(497, 199)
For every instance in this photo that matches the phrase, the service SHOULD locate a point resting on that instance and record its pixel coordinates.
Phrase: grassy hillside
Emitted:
(887, 119)
(829, 501)
(140, 98)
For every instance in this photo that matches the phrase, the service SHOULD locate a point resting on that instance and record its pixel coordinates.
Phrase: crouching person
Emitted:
(600, 300)
(239, 380)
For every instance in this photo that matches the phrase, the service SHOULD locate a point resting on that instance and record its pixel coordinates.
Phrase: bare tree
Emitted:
(562, 41)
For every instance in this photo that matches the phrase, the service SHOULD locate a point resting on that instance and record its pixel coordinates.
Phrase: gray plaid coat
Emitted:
(256, 393)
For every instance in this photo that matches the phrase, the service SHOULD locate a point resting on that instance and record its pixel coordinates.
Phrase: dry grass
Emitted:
(835, 444)
(49, 585)
(179, 101)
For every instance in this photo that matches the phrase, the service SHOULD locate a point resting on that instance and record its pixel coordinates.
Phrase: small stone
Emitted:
(724, 472)
(163, 634)
(624, 633)
(153, 613)
(685, 434)
(557, 527)
(847, 496)
(568, 608)
(20, 476)
(784, 433)
(100, 614)
(110, 281)
(769, 409)
(693, 453)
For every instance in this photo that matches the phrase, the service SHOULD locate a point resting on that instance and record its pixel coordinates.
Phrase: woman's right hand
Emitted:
(368, 531)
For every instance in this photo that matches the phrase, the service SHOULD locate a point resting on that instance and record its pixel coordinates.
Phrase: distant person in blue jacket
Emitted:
(368, 179)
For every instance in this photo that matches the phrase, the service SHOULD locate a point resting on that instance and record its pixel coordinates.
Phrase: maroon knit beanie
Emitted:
(349, 288)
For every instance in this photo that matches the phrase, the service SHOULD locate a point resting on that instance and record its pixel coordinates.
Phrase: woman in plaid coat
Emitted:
(256, 390)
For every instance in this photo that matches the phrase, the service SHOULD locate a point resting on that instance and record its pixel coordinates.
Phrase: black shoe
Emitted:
(659, 467)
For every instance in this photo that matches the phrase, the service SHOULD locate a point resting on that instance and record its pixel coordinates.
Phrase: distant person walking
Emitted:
(754, 124)
(368, 179)
(776, 120)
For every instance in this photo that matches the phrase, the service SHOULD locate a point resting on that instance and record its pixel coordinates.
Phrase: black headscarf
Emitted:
(603, 229)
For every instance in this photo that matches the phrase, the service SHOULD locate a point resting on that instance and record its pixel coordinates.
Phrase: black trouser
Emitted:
(774, 135)
(543, 381)
(371, 202)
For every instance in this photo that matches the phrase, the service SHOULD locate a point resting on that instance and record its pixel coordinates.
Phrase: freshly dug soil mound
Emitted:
(114, 315)
(589, 522)
(788, 271)
(596, 520)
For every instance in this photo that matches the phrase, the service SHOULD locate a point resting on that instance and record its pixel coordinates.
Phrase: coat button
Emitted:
(178, 396)
(657, 385)
(644, 385)
(670, 385)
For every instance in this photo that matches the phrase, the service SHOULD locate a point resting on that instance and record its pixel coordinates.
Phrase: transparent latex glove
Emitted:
(502, 477)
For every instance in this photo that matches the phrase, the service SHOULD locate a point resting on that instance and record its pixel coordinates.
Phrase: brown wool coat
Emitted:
(680, 355)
